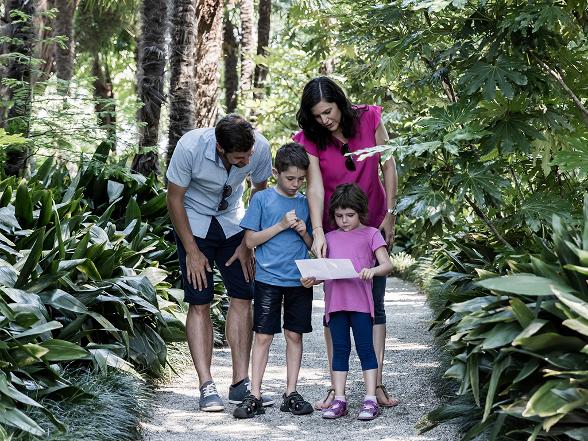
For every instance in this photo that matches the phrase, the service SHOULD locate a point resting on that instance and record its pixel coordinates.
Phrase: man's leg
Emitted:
(293, 359)
(200, 340)
(380, 348)
(239, 336)
(259, 359)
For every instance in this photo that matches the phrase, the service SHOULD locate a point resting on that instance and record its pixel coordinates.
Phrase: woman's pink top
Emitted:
(360, 246)
(334, 172)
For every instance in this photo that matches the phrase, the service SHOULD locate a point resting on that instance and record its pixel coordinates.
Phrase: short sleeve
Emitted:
(179, 171)
(308, 145)
(377, 240)
(263, 168)
(375, 113)
(252, 218)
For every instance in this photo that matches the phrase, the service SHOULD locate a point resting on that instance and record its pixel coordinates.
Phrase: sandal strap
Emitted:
(384, 390)
(329, 391)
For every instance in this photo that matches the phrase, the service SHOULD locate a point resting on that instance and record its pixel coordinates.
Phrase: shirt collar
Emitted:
(210, 152)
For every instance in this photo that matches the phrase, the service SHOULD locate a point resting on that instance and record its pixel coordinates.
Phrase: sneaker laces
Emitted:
(209, 389)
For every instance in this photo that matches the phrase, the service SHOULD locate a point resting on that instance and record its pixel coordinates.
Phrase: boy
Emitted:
(275, 224)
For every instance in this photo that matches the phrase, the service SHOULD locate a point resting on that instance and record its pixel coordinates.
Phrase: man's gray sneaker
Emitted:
(238, 393)
(210, 400)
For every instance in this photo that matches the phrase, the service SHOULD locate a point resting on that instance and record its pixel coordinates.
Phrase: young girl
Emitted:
(349, 302)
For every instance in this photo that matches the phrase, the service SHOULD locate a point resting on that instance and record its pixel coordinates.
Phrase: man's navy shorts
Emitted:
(217, 249)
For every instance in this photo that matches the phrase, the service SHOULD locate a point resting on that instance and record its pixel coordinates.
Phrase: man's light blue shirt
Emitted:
(195, 165)
(274, 259)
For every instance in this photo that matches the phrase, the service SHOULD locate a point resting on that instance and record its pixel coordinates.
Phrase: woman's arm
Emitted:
(390, 186)
(316, 199)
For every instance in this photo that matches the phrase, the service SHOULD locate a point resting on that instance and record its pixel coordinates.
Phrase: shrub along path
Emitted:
(410, 365)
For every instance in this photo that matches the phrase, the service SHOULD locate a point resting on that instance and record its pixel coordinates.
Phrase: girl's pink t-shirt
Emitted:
(334, 172)
(359, 245)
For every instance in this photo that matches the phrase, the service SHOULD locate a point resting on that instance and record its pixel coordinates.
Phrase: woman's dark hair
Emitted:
(234, 134)
(291, 154)
(324, 89)
(349, 196)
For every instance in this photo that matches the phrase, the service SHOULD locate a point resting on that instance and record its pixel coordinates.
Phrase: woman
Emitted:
(331, 128)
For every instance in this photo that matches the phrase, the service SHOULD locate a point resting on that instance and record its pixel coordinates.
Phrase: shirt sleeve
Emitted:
(377, 240)
(308, 145)
(252, 218)
(179, 171)
(263, 169)
(375, 113)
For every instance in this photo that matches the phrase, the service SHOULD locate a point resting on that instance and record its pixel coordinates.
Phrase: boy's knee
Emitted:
(263, 339)
(292, 337)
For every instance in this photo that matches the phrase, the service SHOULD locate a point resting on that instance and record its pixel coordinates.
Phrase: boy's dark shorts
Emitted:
(217, 249)
(267, 308)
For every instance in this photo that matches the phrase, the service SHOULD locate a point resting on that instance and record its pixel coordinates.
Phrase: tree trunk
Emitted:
(151, 69)
(263, 36)
(208, 53)
(231, 55)
(45, 50)
(105, 106)
(181, 106)
(247, 46)
(19, 69)
(64, 27)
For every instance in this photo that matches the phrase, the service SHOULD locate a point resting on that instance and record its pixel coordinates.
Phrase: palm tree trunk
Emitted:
(208, 53)
(22, 35)
(231, 55)
(45, 49)
(151, 69)
(263, 36)
(105, 106)
(181, 93)
(247, 46)
(64, 26)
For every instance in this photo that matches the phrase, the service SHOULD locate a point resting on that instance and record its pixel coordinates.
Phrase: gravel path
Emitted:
(409, 365)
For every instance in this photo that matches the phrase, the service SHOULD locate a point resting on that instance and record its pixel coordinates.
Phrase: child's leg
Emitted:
(267, 308)
(362, 326)
(297, 321)
(339, 325)
(259, 359)
(293, 359)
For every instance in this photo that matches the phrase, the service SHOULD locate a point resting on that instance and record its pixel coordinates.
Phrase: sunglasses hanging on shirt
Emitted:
(224, 204)
(349, 162)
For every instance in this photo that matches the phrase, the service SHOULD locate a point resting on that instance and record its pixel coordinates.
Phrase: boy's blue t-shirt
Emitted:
(275, 258)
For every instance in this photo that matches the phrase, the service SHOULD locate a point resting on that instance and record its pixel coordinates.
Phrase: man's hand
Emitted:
(319, 244)
(247, 259)
(388, 226)
(367, 273)
(288, 220)
(196, 267)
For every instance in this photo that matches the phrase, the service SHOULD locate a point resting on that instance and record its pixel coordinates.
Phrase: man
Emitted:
(204, 199)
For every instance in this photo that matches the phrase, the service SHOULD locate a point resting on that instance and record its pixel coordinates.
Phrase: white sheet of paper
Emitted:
(327, 269)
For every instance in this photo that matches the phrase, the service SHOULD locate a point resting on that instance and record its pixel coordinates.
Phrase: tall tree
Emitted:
(208, 53)
(231, 56)
(64, 26)
(263, 36)
(20, 18)
(181, 89)
(104, 95)
(151, 69)
(247, 46)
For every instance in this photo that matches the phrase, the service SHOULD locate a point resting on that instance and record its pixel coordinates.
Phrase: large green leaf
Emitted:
(32, 259)
(23, 205)
(523, 284)
(64, 301)
(15, 418)
(502, 74)
(61, 350)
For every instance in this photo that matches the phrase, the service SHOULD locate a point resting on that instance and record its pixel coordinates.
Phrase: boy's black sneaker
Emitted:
(249, 407)
(296, 404)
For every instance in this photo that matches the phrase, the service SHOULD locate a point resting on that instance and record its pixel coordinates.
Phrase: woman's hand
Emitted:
(319, 244)
(388, 226)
